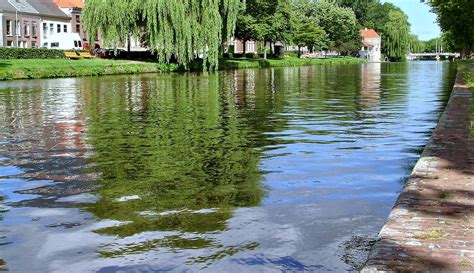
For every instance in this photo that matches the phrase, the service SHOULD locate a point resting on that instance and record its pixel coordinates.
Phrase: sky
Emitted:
(423, 22)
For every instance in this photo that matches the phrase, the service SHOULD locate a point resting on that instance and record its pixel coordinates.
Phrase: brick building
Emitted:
(28, 23)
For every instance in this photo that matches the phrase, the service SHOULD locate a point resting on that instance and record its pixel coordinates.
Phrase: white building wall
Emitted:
(2, 31)
(52, 28)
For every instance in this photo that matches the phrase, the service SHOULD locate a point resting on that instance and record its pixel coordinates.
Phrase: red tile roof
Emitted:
(69, 3)
(369, 33)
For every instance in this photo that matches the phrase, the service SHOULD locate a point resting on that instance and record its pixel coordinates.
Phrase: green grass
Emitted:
(288, 61)
(57, 68)
(60, 68)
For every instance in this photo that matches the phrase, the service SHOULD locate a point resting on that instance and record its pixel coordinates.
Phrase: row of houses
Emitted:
(371, 46)
(32, 23)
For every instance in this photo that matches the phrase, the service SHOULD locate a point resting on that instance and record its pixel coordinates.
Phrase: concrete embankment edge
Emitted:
(431, 227)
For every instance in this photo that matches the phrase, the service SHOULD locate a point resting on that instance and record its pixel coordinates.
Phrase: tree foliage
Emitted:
(415, 45)
(181, 28)
(392, 23)
(360, 7)
(265, 20)
(340, 25)
(309, 35)
(456, 19)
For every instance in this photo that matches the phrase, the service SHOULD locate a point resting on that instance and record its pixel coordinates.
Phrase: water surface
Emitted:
(285, 169)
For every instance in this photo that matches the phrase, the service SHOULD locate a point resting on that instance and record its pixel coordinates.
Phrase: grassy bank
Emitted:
(288, 61)
(59, 68)
(468, 68)
(56, 68)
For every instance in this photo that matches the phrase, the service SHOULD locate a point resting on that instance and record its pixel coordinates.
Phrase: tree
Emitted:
(360, 7)
(307, 32)
(455, 18)
(309, 35)
(246, 29)
(265, 20)
(341, 26)
(415, 45)
(180, 28)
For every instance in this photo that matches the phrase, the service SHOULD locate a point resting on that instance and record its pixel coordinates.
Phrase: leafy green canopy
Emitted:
(456, 18)
(360, 7)
(183, 28)
(265, 20)
(339, 24)
(392, 23)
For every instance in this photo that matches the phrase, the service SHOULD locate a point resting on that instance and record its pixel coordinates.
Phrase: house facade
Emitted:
(53, 20)
(371, 45)
(73, 8)
(19, 23)
(29, 23)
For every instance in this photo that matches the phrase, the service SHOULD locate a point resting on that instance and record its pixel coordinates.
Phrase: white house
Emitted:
(372, 45)
(53, 20)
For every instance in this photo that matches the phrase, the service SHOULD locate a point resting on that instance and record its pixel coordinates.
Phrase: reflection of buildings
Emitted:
(46, 130)
(370, 83)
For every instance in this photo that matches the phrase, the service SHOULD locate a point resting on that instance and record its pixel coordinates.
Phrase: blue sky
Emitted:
(423, 22)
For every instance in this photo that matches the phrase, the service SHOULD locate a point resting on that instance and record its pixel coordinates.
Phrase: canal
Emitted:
(285, 169)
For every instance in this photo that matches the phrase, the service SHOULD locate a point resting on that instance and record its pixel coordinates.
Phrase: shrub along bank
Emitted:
(9, 53)
(288, 61)
(59, 68)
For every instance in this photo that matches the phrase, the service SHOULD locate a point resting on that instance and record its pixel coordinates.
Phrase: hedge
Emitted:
(30, 53)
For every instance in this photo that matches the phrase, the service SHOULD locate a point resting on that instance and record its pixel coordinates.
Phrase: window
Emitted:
(9, 28)
(33, 29)
(26, 28)
(45, 45)
(9, 43)
(45, 31)
(51, 29)
(78, 18)
(65, 28)
(77, 44)
(58, 28)
(78, 28)
(17, 28)
(54, 45)
(33, 44)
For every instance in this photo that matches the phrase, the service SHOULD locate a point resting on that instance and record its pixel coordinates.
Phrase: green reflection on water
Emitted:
(178, 146)
(171, 242)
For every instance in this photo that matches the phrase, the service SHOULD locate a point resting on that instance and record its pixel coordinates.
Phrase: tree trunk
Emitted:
(244, 42)
(264, 50)
(129, 44)
(299, 51)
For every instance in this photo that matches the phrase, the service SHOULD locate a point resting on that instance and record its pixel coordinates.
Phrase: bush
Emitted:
(251, 55)
(30, 53)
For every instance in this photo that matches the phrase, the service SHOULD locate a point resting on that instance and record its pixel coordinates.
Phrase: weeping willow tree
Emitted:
(397, 35)
(182, 28)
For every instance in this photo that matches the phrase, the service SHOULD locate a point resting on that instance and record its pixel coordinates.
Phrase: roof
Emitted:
(369, 33)
(69, 3)
(47, 7)
(4, 5)
(22, 6)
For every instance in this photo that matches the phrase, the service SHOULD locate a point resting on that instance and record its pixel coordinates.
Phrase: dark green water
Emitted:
(288, 169)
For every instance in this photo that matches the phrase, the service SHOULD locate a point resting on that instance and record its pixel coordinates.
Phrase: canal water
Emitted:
(271, 170)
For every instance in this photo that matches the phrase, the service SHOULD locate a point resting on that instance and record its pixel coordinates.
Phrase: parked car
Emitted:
(64, 41)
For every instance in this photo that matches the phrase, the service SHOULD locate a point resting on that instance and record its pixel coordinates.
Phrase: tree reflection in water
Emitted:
(172, 156)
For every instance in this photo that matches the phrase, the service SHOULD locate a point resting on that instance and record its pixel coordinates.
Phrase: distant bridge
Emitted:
(432, 56)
